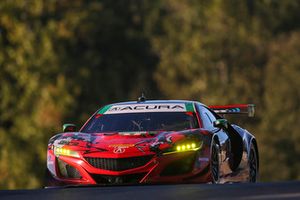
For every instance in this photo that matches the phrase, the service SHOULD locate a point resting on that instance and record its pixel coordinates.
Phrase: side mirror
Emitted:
(69, 128)
(221, 123)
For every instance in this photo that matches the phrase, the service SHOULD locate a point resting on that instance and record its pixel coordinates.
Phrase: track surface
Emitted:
(283, 190)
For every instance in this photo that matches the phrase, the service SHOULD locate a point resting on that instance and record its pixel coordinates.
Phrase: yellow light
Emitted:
(65, 152)
(187, 147)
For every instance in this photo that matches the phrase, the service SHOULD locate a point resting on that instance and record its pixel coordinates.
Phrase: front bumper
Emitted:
(184, 167)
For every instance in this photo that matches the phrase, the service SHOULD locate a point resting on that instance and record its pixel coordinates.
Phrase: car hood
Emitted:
(122, 144)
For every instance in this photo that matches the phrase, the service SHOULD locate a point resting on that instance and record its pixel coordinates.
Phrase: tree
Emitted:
(60, 61)
(32, 104)
(281, 119)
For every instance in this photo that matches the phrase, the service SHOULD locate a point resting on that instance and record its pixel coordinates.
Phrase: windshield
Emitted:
(150, 121)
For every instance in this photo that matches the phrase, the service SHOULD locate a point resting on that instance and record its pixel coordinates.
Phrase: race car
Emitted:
(154, 142)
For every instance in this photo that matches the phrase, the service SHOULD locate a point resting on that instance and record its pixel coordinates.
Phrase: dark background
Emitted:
(60, 60)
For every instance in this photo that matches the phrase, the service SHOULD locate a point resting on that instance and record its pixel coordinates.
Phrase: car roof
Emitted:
(155, 102)
(115, 107)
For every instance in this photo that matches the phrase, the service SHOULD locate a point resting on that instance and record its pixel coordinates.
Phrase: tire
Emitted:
(253, 166)
(215, 163)
(49, 181)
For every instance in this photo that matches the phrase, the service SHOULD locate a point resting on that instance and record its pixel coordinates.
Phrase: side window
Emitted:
(207, 117)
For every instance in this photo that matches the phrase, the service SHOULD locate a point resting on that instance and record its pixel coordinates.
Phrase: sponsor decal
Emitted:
(104, 109)
(140, 108)
(203, 159)
(121, 145)
(133, 133)
(234, 110)
(189, 107)
(230, 110)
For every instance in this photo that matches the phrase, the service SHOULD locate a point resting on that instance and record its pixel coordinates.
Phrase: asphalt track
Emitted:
(279, 190)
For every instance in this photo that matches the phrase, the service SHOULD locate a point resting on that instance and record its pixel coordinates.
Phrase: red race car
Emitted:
(161, 141)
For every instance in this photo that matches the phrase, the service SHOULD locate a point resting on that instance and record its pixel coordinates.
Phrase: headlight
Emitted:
(58, 151)
(185, 146)
(191, 146)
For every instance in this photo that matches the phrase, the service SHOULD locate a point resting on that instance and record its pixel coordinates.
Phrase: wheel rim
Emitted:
(215, 164)
(253, 167)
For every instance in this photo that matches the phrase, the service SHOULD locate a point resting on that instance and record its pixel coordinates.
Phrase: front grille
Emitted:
(72, 172)
(125, 179)
(118, 164)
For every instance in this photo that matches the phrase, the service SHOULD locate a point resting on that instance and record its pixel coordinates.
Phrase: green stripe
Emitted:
(189, 107)
(104, 109)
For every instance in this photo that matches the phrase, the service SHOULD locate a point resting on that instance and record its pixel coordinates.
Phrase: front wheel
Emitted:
(253, 167)
(214, 163)
(49, 181)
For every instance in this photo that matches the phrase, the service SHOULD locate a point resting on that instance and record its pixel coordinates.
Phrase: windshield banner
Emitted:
(140, 108)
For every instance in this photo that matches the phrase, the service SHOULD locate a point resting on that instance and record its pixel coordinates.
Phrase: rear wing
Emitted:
(248, 109)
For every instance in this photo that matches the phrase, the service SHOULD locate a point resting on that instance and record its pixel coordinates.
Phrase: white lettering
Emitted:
(139, 108)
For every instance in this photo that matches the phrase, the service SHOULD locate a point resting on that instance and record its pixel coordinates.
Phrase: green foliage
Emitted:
(282, 97)
(61, 60)
(31, 101)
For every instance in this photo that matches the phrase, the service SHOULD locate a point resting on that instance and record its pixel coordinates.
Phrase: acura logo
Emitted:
(118, 149)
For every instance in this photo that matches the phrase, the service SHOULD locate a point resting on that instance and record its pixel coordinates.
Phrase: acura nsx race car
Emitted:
(157, 141)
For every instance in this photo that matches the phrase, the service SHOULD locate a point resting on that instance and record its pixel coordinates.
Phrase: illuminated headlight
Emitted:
(184, 147)
(191, 146)
(58, 151)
